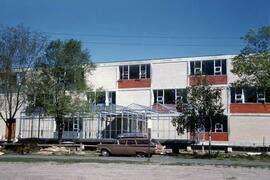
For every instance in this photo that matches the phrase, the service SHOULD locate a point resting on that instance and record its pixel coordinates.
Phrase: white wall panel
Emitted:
(169, 75)
(249, 130)
(127, 97)
(104, 76)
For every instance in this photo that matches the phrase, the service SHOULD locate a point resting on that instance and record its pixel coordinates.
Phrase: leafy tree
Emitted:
(252, 65)
(20, 48)
(202, 108)
(59, 82)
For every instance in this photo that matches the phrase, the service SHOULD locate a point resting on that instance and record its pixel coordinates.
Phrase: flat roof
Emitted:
(166, 60)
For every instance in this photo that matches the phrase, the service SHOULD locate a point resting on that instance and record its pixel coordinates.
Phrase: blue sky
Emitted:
(142, 29)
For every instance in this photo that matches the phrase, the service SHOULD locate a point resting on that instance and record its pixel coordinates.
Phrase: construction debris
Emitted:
(53, 150)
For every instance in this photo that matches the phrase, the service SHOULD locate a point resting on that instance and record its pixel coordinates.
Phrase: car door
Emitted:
(120, 147)
(131, 147)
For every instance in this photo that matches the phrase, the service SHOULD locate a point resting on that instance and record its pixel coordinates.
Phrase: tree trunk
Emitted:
(209, 139)
(60, 128)
(9, 127)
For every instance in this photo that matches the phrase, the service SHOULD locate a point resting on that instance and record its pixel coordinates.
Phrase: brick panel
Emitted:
(250, 108)
(222, 79)
(134, 83)
(216, 136)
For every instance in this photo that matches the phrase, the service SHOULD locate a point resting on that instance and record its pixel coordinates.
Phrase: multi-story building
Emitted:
(156, 84)
(163, 81)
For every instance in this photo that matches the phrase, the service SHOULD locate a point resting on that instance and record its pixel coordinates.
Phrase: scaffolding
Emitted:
(104, 122)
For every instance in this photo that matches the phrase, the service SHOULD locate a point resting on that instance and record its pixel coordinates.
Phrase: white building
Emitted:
(156, 83)
(147, 82)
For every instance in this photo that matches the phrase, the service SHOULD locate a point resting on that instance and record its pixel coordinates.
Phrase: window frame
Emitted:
(160, 97)
(219, 67)
(142, 73)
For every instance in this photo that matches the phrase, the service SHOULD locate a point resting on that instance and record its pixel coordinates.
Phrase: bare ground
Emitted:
(101, 171)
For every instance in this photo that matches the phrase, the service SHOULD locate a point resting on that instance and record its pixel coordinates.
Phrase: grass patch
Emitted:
(64, 160)
(223, 156)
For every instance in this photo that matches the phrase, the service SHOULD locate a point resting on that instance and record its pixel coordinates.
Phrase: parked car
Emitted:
(129, 147)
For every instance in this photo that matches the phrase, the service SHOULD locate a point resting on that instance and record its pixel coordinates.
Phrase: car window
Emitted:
(122, 141)
(131, 142)
(142, 141)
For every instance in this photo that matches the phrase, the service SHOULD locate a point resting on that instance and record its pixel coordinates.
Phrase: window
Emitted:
(73, 124)
(122, 142)
(111, 97)
(169, 96)
(144, 71)
(100, 97)
(130, 141)
(196, 67)
(217, 67)
(181, 94)
(218, 127)
(123, 72)
(142, 141)
(250, 95)
(261, 96)
(236, 95)
(158, 96)
(134, 72)
(208, 67)
(141, 71)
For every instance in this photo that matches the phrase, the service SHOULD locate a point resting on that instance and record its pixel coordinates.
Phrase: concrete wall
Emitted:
(169, 75)
(138, 96)
(104, 76)
(249, 130)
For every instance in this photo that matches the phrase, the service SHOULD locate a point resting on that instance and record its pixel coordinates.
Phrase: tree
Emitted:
(20, 48)
(203, 107)
(252, 65)
(59, 81)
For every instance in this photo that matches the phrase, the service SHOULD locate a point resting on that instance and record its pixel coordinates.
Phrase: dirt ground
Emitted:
(101, 171)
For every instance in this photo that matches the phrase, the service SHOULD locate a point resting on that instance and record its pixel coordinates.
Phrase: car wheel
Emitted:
(140, 154)
(104, 152)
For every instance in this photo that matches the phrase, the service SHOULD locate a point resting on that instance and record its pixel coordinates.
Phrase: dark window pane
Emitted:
(148, 71)
(232, 95)
(182, 94)
(197, 64)
(143, 71)
(267, 95)
(134, 72)
(121, 71)
(122, 141)
(261, 95)
(217, 63)
(100, 97)
(169, 96)
(142, 142)
(250, 95)
(192, 67)
(131, 142)
(112, 97)
(155, 96)
(224, 67)
(208, 67)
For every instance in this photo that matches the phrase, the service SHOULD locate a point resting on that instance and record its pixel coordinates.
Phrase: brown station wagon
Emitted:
(128, 147)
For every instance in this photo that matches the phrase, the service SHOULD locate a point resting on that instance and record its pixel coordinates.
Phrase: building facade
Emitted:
(163, 81)
(156, 84)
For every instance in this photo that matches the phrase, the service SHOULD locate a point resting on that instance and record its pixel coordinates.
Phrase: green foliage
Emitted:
(203, 106)
(58, 83)
(252, 65)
